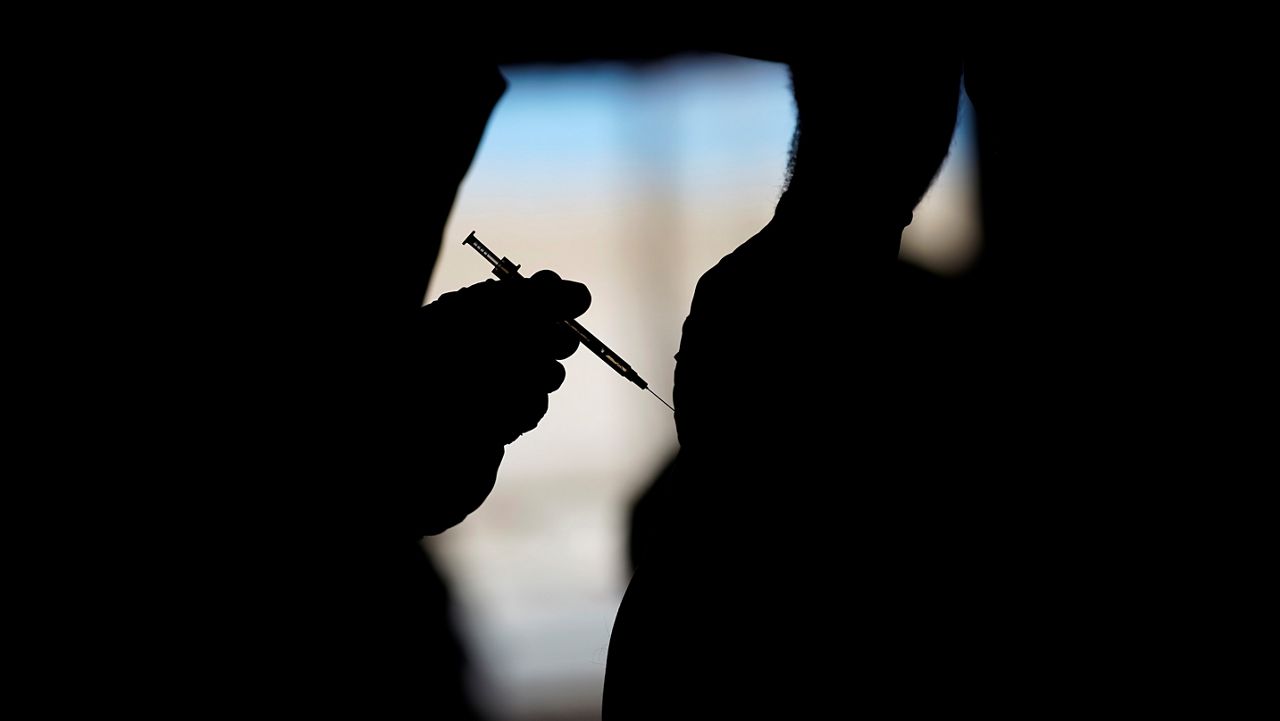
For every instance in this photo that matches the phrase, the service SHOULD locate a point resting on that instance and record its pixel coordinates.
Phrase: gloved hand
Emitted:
(490, 357)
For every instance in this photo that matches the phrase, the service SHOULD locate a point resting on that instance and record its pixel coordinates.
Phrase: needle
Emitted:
(506, 270)
(655, 395)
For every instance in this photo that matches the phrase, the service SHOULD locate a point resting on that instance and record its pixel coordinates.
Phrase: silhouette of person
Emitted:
(302, 420)
(900, 494)
(723, 616)
(477, 367)
(398, 412)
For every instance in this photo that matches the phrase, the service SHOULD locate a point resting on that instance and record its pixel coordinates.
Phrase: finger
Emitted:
(544, 297)
(529, 370)
(550, 376)
(523, 415)
(522, 344)
(558, 342)
(551, 298)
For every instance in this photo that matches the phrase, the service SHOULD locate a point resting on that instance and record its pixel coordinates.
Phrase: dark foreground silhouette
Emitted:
(894, 493)
(899, 494)
(360, 420)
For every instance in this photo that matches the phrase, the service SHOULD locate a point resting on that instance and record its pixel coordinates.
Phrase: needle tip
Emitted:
(655, 395)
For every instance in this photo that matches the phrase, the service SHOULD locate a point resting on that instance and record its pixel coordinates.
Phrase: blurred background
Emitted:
(634, 179)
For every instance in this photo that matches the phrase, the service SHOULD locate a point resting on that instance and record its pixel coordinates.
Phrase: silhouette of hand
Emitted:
(497, 345)
(492, 353)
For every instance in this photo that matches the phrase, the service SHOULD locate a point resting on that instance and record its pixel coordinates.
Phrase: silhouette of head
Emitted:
(872, 132)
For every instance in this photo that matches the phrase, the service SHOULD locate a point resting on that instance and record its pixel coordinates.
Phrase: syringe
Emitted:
(506, 270)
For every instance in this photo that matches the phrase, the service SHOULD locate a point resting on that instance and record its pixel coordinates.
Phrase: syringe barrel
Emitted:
(595, 345)
(505, 270)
